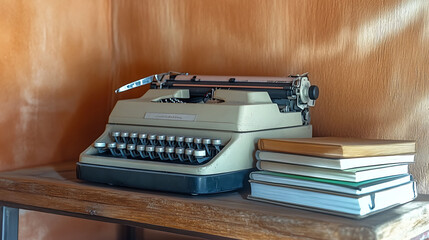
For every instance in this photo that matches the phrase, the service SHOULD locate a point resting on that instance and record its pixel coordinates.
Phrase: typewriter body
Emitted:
(196, 134)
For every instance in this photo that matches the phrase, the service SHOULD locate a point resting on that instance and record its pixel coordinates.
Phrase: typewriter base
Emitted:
(163, 181)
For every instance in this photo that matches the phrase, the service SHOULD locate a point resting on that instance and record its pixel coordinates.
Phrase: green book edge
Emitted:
(354, 185)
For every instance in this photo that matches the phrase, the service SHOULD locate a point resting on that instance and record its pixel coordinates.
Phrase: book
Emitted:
(351, 175)
(352, 188)
(334, 163)
(337, 147)
(328, 202)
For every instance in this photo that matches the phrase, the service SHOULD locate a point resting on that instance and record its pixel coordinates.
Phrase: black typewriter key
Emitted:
(122, 147)
(189, 142)
(134, 137)
(131, 148)
(180, 153)
(160, 150)
(152, 139)
(170, 140)
(150, 150)
(180, 141)
(141, 151)
(170, 153)
(160, 140)
(116, 136)
(100, 146)
(125, 136)
(189, 153)
(143, 138)
(113, 150)
(198, 143)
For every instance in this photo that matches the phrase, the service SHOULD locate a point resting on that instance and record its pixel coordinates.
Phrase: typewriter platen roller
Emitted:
(196, 134)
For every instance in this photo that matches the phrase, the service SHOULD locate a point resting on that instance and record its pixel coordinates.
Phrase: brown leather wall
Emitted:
(369, 58)
(55, 81)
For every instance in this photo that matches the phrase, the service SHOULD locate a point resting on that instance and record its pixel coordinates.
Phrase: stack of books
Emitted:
(342, 176)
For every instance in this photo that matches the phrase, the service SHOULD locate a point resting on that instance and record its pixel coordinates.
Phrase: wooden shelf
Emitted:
(55, 189)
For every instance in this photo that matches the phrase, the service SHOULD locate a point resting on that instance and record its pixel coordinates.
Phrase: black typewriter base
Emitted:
(163, 181)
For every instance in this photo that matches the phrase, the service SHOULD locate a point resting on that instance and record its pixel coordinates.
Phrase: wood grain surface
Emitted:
(54, 188)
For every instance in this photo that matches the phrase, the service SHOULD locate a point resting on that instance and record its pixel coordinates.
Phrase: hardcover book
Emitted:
(334, 163)
(355, 206)
(337, 147)
(350, 175)
(352, 188)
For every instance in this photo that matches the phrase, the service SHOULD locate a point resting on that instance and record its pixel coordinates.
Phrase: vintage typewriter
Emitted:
(196, 134)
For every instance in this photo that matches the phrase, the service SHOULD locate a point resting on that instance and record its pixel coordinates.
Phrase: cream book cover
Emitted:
(338, 147)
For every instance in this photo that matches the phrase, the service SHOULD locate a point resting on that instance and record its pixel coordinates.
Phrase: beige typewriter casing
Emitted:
(238, 118)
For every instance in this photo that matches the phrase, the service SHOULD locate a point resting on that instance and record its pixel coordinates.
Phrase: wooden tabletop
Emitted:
(55, 189)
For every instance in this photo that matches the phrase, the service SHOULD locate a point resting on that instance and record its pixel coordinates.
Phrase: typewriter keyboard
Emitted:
(158, 147)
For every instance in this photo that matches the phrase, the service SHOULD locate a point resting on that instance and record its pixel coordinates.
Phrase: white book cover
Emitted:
(351, 175)
(334, 163)
(344, 187)
(345, 205)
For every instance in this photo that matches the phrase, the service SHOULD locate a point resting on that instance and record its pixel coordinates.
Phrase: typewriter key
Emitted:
(170, 153)
(116, 136)
(160, 151)
(200, 156)
(112, 148)
(169, 149)
(170, 140)
(152, 139)
(100, 146)
(179, 152)
(217, 143)
(180, 141)
(189, 142)
(199, 153)
(161, 140)
(143, 138)
(141, 151)
(150, 149)
(198, 142)
(189, 154)
(134, 137)
(121, 146)
(131, 149)
(206, 143)
(122, 149)
(124, 136)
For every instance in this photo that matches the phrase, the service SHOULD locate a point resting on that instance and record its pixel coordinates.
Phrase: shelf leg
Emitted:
(9, 223)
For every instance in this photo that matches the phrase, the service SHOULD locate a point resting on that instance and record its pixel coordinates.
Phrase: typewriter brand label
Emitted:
(171, 116)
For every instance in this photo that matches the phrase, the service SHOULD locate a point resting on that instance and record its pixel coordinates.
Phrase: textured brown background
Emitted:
(55, 80)
(61, 60)
(369, 58)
